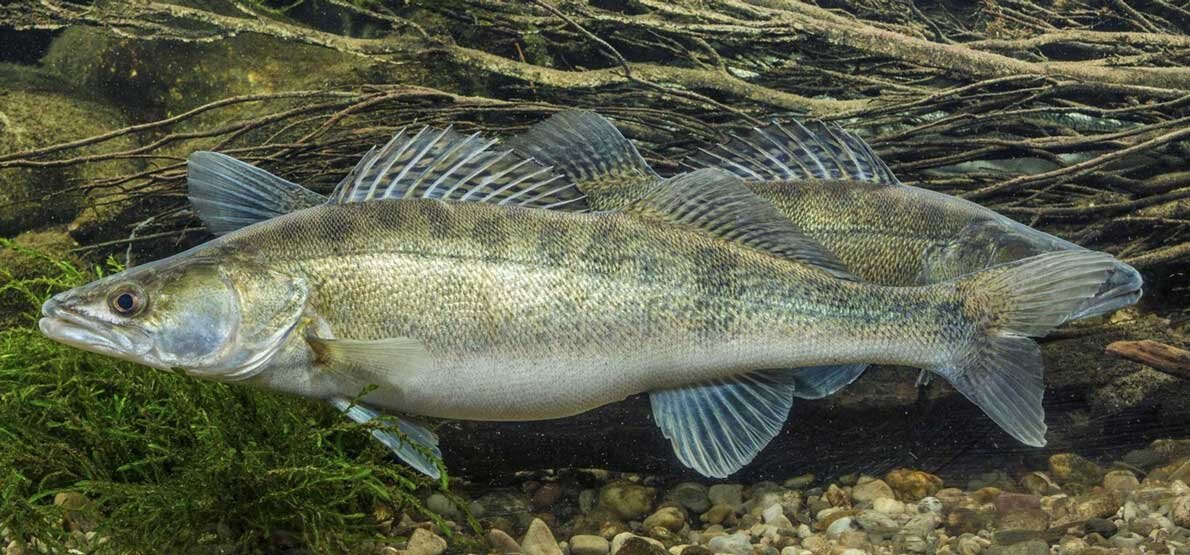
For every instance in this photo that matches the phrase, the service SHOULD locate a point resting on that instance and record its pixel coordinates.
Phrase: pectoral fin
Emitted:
(718, 427)
(406, 448)
(370, 362)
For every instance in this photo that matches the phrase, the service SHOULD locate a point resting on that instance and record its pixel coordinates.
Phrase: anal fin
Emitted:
(718, 427)
(403, 447)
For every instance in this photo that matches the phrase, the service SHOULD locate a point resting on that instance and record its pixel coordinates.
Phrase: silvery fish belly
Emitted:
(463, 282)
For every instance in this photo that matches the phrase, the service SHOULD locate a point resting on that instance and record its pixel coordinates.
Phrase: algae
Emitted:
(172, 464)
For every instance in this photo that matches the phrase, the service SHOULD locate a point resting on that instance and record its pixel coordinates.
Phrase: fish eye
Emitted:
(127, 300)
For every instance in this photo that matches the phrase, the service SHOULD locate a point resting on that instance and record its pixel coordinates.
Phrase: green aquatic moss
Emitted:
(173, 464)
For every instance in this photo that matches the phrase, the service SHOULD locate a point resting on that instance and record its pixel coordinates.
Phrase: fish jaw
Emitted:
(89, 334)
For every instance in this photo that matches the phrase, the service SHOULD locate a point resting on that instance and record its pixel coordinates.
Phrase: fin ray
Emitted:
(401, 447)
(228, 194)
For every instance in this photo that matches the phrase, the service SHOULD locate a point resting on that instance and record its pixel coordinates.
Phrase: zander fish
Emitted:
(468, 284)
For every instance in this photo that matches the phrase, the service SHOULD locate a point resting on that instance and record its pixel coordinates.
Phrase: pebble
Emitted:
(734, 544)
(670, 518)
(586, 544)
(839, 526)
(546, 496)
(726, 494)
(621, 541)
(876, 522)
(772, 512)
(890, 507)
(1024, 519)
(691, 495)
(836, 496)
(1179, 511)
(76, 505)
(696, 550)
(1032, 547)
(626, 500)
(870, 489)
(1127, 539)
(717, 514)
(424, 542)
(1071, 468)
(441, 505)
(1039, 483)
(969, 545)
(911, 485)
(929, 505)
(1120, 482)
(816, 543)
(539, 540)
(501, 543)
(1101, 526)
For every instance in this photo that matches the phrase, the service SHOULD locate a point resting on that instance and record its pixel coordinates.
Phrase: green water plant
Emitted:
(166, 463)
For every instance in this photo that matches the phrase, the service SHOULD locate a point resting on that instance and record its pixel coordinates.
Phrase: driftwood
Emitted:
(1166, 358)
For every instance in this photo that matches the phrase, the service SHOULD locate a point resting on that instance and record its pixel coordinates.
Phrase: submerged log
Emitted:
(1166, 358)
(1097, 406)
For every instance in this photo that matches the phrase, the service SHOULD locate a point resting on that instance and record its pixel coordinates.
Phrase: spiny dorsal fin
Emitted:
(592, 153)
(442, 164)
(717, 202)
(228, 194)
(790, 152)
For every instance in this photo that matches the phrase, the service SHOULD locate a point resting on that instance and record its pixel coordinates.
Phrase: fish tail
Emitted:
(1000, 369)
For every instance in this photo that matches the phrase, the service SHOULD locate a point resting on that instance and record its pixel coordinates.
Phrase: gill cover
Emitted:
(270, 307)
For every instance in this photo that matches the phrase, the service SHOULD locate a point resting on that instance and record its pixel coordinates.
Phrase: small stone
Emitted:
(691, 495)
(911, 485)
(1071, 468)
(968, 545)
(1010, 537)
(501, 543)
(539, 540)
(717, 514)
(586, 544)
(670, 518)
(772, 512)
(876, 522)
(1031, 547)
(632, 544)
(799, 482)
(626, 500)
(734, 544)
(1101, 526)
(1070, 545)
(922, 525)
(546, 496)
(871, 489)
(837, 496)
(986, 494)
(586, 500)
(853, 551)
(14, 548)
(1009, 502)
(839, 526)
(1179, 511)
(929, 505)
(726, 494)
(790, 550)
(1039, 483)
(854, 538)
(816, 543)
(890, 507)
(77, 507)
(964, 521)
(1024, 519)
(440, 504)
(424, 542)
(696, 550)
(1120, 481)
(1095, 506)
(1127, 539)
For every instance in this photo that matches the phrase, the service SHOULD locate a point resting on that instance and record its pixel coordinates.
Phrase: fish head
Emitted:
(201, 313)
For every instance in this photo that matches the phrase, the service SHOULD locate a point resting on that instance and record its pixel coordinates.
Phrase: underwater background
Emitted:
(1069, 116)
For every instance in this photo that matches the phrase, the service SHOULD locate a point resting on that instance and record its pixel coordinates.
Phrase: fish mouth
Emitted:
(73, 329)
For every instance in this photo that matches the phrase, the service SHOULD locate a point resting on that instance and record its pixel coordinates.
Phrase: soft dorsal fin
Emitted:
(592, 153)
(442, 164)
(228, 194)
(790, 152)
(717, 202)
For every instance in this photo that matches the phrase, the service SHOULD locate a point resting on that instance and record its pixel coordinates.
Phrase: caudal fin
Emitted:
(1001, 370)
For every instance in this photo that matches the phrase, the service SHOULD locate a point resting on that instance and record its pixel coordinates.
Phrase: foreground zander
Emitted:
(484, 310)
